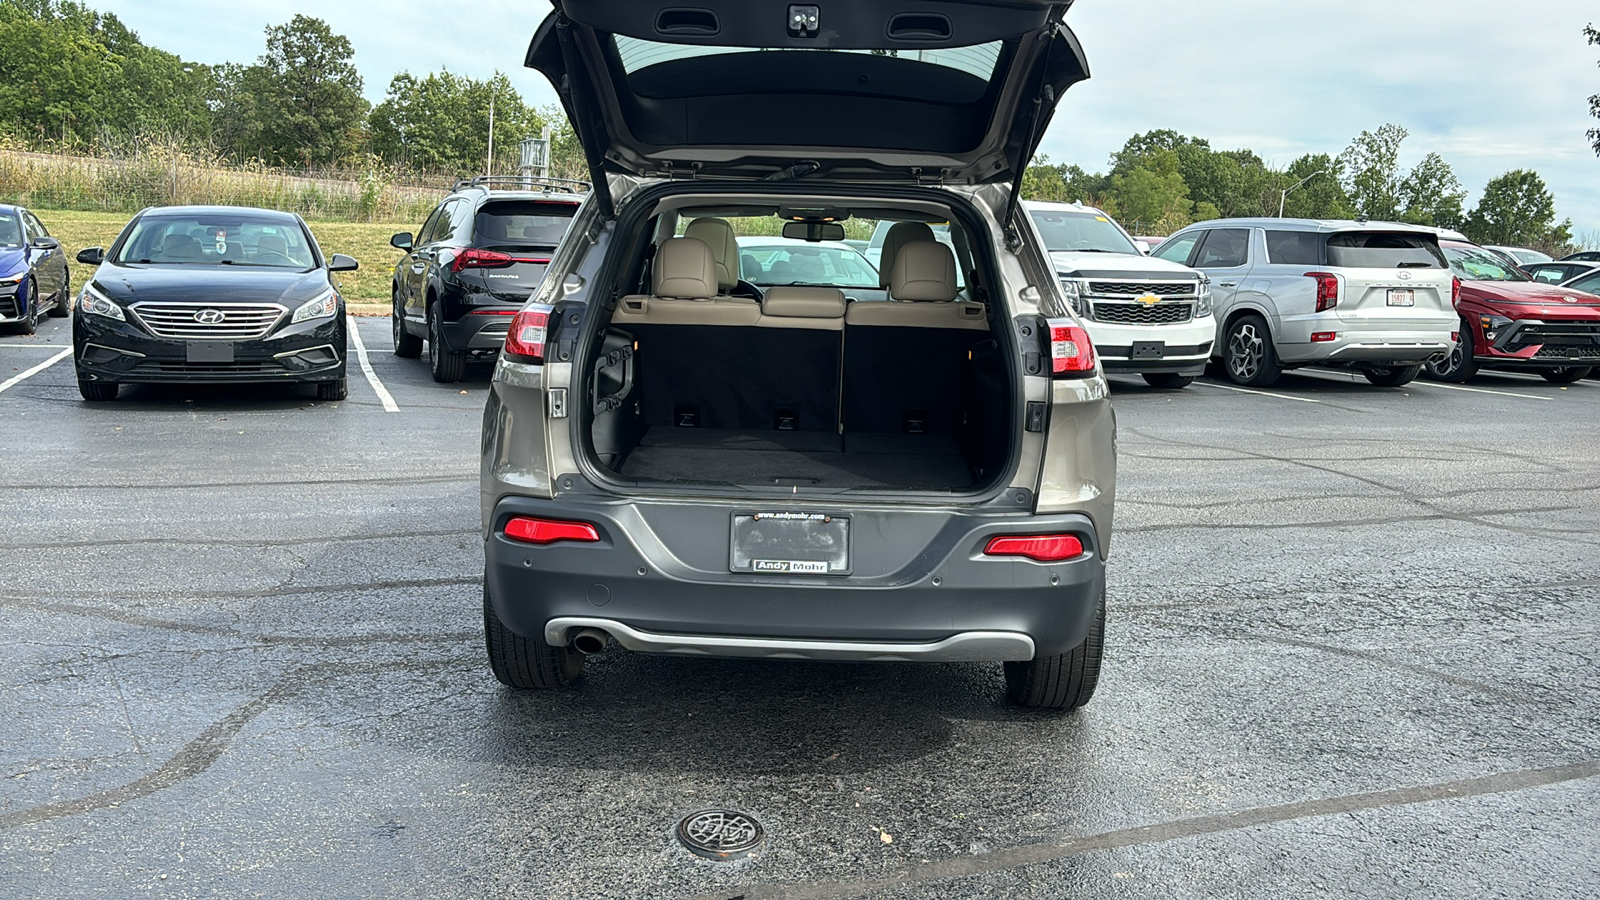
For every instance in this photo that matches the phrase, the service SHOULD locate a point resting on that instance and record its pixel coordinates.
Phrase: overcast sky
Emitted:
(1491, 86)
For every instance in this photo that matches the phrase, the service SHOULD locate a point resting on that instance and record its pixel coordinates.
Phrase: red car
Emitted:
(1509, 321)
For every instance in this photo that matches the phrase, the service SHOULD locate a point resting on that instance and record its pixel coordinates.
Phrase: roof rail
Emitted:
(524, 183)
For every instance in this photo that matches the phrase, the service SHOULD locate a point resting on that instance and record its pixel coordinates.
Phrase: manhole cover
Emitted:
(721, 834)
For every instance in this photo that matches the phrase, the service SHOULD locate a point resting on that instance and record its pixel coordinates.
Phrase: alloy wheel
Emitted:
(1246, 349)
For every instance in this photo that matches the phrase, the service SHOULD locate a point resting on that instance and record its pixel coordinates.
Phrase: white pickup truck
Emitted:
(1145, 315)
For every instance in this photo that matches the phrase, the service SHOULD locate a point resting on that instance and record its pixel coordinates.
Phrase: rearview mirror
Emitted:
(813, 232)
(93, 256)
(402, 241)
(46, 243)
(342, 263)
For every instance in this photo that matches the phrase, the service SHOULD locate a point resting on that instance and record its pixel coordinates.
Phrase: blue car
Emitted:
(33, 271)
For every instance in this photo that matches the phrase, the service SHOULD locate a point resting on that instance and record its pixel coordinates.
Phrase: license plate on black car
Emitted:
(209, 352)
(787, 543)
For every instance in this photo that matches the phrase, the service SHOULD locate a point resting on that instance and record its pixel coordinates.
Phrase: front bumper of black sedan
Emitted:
(113, 352)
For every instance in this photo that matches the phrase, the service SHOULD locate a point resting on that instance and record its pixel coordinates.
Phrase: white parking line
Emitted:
(366, 366)
(1223, 387)
(24, 376)
(33, 346)
(1457, 387)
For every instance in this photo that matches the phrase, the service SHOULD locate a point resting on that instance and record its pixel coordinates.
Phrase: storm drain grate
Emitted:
(721, 834)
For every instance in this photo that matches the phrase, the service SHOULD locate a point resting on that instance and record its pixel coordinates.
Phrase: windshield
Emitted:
(1477, 264)
(217, 239)
(1081, 232)
(782, 263)
(523, 223)
(10, 231)
(1381, 250)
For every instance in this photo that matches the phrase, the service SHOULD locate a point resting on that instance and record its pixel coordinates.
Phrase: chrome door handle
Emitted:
(1227, 284)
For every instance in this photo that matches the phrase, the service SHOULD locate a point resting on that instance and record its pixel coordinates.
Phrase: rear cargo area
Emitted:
(799, 459)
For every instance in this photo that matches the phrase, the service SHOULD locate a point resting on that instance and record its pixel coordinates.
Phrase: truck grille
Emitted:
(1139, 288)
(225, 322)
(1139, 314)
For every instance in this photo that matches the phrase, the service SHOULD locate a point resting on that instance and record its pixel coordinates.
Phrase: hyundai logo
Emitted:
(210, 317)
(1405, 276)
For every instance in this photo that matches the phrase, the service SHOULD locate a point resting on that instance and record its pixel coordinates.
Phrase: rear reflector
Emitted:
(1071, 351)
(495, 312)
(1324, 337)
(525, 342)
(546, 531)
(1040, 548)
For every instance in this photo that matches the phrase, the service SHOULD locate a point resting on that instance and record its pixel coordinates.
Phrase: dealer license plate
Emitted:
(788, 543)
(1402, 298)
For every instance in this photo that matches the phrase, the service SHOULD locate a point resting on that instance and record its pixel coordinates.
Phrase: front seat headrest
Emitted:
(900, 234)
(925, 272)
(685, 270)
(718, 235)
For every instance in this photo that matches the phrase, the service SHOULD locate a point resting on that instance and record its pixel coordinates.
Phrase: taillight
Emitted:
(549, 531)
(1455, 292)
(1327, 290)
(1071, 351)
(1039, 548)
(525, 342)
(473, 258)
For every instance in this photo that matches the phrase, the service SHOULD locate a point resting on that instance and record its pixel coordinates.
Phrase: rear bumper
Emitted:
(659, 581)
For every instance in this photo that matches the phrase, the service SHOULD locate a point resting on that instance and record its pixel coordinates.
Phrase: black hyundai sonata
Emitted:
(211, 294)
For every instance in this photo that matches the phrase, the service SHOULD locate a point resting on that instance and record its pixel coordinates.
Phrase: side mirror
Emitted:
(402, 241)
(1144, 247)
(342, 263)
(46, 243)
(93, 256)
(813, 232)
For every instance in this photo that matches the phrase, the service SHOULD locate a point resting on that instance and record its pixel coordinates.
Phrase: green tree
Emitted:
(1518, 210)
(1320, 197)
(1151, 196)
(1593, 34)
(305, 95)
(440, 123)
(1372, 172)
(1433, 195)
(1061, 183)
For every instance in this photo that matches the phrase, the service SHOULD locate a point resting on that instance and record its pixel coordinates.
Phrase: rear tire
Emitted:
(1393, 376)
(1565, 374)
(97, 391)
(448, 366)
(1168, 380)
(1460, 365)
(1248, 354)
(333, 390)
(406, 344)
(1066, 681)
(524, 664)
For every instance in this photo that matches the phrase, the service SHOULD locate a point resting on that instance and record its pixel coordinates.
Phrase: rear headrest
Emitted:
(803, 303)
(685, 270)
(719, 236)
(925, 272)
(900, 234)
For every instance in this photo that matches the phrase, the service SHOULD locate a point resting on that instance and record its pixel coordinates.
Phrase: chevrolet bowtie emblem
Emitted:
(1148, 300)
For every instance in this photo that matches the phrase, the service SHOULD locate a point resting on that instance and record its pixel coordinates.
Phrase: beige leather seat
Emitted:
(922, 291)
(900, 234)
(718, 235)
(685, 291)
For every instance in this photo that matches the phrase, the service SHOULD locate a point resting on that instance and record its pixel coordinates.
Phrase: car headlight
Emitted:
(1493, 325)
(94, 303)
(1203, 305)
(323, 306)
(8, 280)
(1073, 291)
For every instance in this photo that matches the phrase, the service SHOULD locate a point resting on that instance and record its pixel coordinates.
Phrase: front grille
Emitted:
(238, 321)
(1141, 288)
(1568, 351)
(171, 367)
(1139, 314)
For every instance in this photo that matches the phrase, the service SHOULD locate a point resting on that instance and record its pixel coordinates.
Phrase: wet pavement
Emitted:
(1351, 653)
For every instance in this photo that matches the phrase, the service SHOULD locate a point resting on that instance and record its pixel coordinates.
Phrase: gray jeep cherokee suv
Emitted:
(826, 472)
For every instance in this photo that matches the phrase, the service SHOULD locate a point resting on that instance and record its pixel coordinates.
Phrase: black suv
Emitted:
(479, 256)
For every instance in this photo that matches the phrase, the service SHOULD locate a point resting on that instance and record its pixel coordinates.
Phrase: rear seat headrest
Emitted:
(719, 236)
(900, 234)
(685, 270)
(924, 272)
(803, 303)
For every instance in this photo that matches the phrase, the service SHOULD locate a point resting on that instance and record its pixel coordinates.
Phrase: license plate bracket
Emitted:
(1402, 297)
(789, 543)
(1149, 349)
(210, 352)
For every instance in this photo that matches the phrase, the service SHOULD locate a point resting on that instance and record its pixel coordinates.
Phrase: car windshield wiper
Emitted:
(1415, 265)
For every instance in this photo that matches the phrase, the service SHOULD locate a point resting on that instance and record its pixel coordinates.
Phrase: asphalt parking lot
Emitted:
(1351, 653)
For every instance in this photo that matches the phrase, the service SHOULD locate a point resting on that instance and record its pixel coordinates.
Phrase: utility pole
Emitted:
(489, 167)
(1284, 200)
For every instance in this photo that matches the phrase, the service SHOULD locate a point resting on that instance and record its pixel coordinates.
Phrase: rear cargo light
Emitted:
(1327, 290)
(473, 258)
(1040, 548)
(548, 531)
(525, 342)
(1324, 337)
(1071, 351)
(1455, 292)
